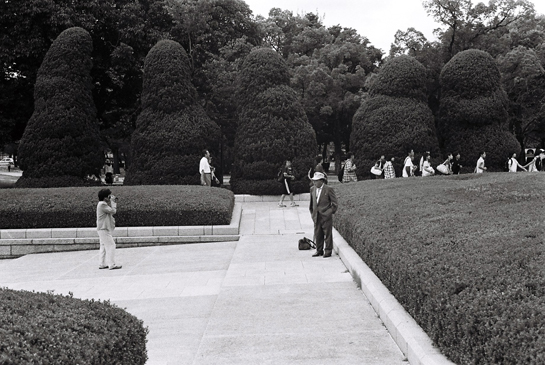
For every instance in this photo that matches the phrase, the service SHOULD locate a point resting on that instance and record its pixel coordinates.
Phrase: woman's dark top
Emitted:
(455, 167)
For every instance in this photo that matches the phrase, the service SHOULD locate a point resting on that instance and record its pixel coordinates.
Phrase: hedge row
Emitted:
(164, 205)
(464, 256)
(40, 328)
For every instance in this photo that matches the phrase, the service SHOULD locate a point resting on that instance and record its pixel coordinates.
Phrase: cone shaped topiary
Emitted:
(473, 112)
(173, 128)
(273, 128)
(395, 118)
(61, 143)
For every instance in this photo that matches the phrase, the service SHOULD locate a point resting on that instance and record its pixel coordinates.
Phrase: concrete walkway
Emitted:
(256, 301)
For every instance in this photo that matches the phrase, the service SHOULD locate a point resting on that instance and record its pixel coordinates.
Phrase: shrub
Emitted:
(272, 128)
(61, 143)
(473, 110)
(461, 254)
(172, 129)
(164, 205)
(54, 329)
(395, 118)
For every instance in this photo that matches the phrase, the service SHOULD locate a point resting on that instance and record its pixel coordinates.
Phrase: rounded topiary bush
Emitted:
(272, 128)
(473, 111)
(173, 128)
(39, 328)
(61, 143)
(395, 118)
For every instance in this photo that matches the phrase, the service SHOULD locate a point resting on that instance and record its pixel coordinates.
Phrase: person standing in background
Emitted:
(204, 169)
(350, 170)
(408, 167)
(456, 164)
(389, 170)
(286, 179)
(513, 164)
(480, 168)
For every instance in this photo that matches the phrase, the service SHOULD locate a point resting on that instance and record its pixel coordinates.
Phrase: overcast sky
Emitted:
(378, 20)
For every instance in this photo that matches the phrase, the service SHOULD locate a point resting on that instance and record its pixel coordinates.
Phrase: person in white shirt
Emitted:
(408, 167)
(106, 208)
(204, 169)
(480, 168)
(427, 170)
(513, 164)
(421, 164)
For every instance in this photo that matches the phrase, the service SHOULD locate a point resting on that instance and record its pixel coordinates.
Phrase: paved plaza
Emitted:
(258, 300)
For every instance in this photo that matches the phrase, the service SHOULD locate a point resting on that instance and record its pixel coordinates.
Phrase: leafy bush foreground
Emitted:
(40, 328)
(462, 254)
(165, 205)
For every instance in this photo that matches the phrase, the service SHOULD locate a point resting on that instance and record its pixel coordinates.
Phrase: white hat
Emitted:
(318, 176)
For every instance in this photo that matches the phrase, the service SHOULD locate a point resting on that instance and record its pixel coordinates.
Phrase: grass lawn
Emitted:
(463, 255)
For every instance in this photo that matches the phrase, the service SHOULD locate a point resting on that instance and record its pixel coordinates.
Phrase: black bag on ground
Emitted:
(306, 244)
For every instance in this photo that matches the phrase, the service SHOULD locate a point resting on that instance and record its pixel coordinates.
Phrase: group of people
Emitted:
(385, 167)
(450, 166)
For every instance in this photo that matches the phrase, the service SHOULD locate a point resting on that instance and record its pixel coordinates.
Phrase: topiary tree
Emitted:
(172, 129)
(61, 144)
(395, 118)
(272, 128)
(473, 112)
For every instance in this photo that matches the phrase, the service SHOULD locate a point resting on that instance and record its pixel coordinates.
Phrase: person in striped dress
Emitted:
(350, 170)
(389, 171)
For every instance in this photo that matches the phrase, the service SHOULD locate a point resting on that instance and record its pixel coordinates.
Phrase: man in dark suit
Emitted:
(323, 204)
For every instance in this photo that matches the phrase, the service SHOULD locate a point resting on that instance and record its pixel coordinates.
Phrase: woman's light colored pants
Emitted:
(106, 255)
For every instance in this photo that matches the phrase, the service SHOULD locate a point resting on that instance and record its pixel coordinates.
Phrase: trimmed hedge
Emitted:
(61, 143)
(395, 118)
(272, 128)
(39, 328)
(464, 256)
(473, 111)
(161, 205)
(173, 129)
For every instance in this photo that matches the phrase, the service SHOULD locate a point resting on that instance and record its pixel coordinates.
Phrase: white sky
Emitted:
(378, 20)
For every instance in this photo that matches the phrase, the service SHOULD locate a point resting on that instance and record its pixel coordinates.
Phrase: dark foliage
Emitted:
(62, 138)
(172, 129)
(164, 205)
(473, 112)
(395, 118)
(40, 328)
(272, 128)
(262, 68)
(476, 285)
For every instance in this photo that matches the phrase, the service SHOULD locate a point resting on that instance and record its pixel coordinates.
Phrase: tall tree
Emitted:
(272, 127)
(172, 129)
(523, 78)
(217, 35)
(479, 26)
(331, 83)
(473, 114)
(60, 146)
(395, 118)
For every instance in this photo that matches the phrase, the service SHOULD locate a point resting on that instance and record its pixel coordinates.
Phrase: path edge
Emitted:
(408, 335)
